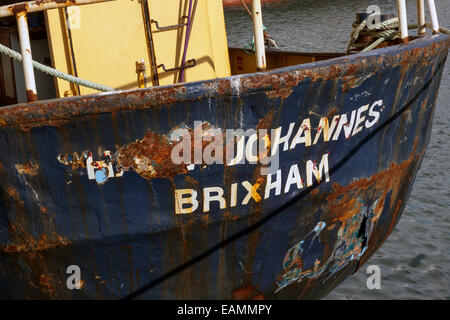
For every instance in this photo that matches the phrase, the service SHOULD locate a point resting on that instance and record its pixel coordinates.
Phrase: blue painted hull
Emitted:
(294, 238)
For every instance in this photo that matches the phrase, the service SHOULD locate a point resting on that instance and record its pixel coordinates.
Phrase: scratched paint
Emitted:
(350, 244)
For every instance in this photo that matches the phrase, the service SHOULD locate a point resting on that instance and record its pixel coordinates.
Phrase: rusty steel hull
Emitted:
(124, 231)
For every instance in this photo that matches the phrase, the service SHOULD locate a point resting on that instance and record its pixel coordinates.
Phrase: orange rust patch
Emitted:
(46, 282)
(31, 246)
(332, 112)
(43, 210)
(12, 229)
(19, 9)
(29, 168)
(354, 81)
(265, 123)
(31, 96)
(150, 157)
(281, 84)
(247, 293)
(21, 240)
(282, 92)
(14, 195)
(343, 204)
(50, 112)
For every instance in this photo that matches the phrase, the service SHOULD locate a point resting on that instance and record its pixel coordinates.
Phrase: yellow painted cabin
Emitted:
(106, 42)
(110, 38)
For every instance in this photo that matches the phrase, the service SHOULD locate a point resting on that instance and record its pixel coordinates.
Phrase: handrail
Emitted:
(403, 20)
(258, 34)
(40, 5)
(20, 10)
(188, 64)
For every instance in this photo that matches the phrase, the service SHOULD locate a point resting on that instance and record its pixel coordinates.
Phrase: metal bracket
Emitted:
(189, 64)
(169, 27)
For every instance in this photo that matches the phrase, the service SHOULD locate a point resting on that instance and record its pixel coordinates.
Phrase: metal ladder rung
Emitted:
(169, 27)
(189, 64)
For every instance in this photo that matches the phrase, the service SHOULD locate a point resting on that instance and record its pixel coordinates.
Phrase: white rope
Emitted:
(385, 30)
(53, 72)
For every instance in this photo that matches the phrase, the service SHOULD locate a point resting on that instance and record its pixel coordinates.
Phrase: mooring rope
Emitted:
(56, 73)
(269, 42)
(386, 30)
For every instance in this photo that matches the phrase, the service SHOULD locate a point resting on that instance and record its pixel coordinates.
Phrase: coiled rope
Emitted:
(53, 72)
(386, 30)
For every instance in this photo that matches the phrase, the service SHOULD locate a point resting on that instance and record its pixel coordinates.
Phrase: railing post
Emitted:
(27, 60)
(402, 20)
(433, 14)
(258, 34)
(421, 29)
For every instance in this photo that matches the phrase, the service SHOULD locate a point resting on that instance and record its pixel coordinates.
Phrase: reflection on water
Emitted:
(415, 259)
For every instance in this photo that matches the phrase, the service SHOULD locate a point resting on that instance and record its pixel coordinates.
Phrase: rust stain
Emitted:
(30, 246)
(247, 293)
(248, 290)
(19, 9)
(29, 168)
(30, 250)
(14, 195)
(332, 112)
(266, 122)
(354, 81)
(355, 210)
(46, 283)
(275, 84)
(280, 84)
(21, 241)
(343, 203)
(43, 2)
(150, 157)
(31, 95)
(43, 210)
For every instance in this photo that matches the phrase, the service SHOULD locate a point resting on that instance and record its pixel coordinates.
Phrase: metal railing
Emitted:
(20, 10)
(403, 20)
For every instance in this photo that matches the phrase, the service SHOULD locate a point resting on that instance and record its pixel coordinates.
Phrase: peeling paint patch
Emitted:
(295, 266)
(302, 260)
(99, 170)
(355, 209)
(149, 157)
(28, 168)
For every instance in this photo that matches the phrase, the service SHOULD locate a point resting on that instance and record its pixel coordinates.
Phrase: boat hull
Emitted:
(332, 201)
